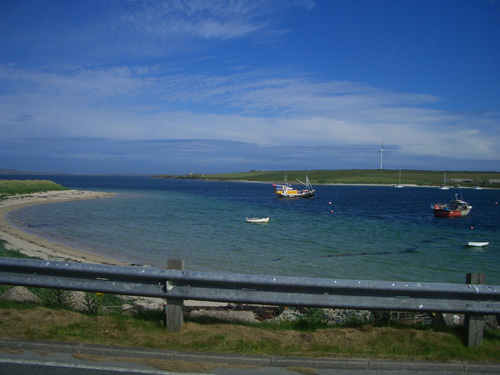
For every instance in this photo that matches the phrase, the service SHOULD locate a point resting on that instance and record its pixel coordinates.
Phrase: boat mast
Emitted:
(308, 184)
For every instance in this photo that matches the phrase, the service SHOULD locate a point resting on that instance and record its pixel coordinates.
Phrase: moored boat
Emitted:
(287, 191)
(477, 243)
(257, 220)
(443, 186)
(455, 208)
(477, 187)
(398, 185)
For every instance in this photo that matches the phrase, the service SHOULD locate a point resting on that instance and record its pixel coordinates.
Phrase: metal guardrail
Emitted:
(253, 289)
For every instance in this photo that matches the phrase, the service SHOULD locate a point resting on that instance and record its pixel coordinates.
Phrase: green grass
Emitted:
(13, 187)
(367, 341)
(10, 253)
(355, 176)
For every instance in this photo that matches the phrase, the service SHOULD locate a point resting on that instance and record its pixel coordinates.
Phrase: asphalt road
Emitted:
(19, 358)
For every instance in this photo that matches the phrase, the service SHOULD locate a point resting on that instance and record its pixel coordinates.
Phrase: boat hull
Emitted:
(308, 194)
(477, 244)
(450, 213)
(257, 220)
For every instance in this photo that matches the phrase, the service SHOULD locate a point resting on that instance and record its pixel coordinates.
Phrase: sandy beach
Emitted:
(35, 246)
(38, 247)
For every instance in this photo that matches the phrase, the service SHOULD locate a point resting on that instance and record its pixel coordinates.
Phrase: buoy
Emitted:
(471, 227)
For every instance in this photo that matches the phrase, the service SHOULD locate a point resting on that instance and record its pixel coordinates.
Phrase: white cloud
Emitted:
(267, 108)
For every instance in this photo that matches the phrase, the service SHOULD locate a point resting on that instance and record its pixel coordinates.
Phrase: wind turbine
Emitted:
(381, 152)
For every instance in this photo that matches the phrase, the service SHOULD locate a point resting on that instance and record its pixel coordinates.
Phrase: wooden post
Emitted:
(474, 324)
(174, 317)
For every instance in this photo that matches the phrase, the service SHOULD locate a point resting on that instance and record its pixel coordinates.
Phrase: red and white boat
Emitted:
(455, 208)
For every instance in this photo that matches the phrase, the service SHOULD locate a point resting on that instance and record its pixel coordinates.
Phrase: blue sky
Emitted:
(129, 86)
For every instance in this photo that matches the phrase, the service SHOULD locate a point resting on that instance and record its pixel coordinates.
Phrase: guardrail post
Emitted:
(474, 324)
(175, 306)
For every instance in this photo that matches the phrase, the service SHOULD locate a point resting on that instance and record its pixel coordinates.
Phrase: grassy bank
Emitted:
(389, 342)
(13, 187)
(146, 330)
(358, 176)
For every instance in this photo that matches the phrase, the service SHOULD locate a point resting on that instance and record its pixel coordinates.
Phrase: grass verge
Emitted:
(388, 342)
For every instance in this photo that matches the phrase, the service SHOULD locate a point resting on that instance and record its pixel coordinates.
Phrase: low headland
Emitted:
(358, 177)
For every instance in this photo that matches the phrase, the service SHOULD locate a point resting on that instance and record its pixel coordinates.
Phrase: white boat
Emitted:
(477, 187)
(258, 220)
(287, 191)
(399, 186)
(444, 187)
(477, 244)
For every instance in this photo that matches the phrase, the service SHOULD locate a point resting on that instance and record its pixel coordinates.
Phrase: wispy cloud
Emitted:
(206, 19)
(263, 107)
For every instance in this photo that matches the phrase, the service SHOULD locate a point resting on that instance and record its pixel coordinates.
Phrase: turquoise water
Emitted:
(374, 233)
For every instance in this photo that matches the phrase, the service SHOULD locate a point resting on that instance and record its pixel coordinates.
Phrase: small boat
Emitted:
(443, 186)
(477, 187)
(399, 186)
(477, 244)
(258, 220)
(287, 191)
(455, 208)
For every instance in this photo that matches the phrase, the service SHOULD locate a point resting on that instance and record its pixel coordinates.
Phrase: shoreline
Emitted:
(339, 184)
(35, 246)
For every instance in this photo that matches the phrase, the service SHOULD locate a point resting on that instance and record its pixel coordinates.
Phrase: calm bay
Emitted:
(345, 232)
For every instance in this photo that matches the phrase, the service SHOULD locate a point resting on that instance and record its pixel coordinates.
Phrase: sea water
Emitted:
(345, 232)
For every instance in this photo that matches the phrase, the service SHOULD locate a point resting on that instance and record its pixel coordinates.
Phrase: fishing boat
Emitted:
(257, 220)
(477, 243)
(455, 208)
(287, 191)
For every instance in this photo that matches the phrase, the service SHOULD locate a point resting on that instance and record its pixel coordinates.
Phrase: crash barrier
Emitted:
(472, 298)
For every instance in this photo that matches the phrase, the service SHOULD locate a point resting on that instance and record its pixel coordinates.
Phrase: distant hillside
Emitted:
(359, 176)
(13, 171)
(8, 171)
